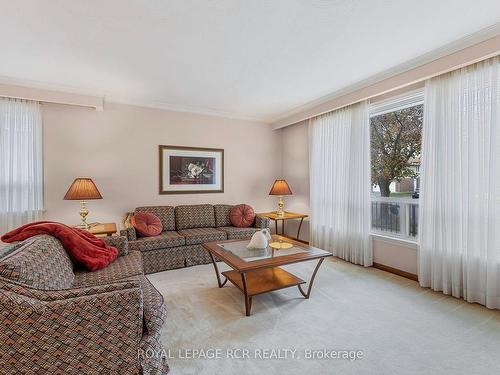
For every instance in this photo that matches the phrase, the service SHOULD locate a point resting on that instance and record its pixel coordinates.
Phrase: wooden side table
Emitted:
(286, 216)
(103, 229)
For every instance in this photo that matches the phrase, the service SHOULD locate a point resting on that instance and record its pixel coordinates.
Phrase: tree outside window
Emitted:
(396, 141)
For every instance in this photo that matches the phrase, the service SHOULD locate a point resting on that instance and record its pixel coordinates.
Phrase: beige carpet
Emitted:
(400, 327)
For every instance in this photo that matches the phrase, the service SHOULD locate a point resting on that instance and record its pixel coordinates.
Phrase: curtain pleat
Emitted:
(459, 246)
(340, 183)
(21, 174)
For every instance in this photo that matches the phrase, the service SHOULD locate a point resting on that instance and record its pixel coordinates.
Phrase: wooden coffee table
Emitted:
(258, 271)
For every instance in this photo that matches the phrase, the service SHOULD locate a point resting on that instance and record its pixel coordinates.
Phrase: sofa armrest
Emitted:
(85, 330)
(120, 242)
(262, 222)
(129, 233)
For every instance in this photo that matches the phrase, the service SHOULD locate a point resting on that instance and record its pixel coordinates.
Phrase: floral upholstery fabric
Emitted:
(122, 268)
(237, 233)
(194, 216)
(200, 235)
(165, 213)
(39, 262)
(162, 241)
(222, 215)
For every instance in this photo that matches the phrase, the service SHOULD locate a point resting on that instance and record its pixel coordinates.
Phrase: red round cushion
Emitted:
(146, 224)
(242, 216)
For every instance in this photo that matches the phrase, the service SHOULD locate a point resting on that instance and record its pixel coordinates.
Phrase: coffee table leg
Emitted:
(248, 299)
(217, 272)
(306, 295)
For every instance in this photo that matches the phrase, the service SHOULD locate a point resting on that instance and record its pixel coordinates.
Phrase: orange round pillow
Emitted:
(242, 216)
(146, 224)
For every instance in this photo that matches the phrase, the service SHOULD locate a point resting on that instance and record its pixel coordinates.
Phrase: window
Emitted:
(396, 140)
(20, 163)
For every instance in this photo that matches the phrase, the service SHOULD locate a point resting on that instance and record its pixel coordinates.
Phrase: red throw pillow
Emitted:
(242, 216)
(146, 224)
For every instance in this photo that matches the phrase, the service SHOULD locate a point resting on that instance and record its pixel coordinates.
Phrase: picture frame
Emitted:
(190, 170)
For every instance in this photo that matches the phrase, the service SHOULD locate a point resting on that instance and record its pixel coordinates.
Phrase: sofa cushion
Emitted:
(146, 224)
(194, 216)
(162, 241)
(201, 235)
(242, 216)
(39, 262)
(236, 233)
(123, 267)
(165, 213)
(222, 215)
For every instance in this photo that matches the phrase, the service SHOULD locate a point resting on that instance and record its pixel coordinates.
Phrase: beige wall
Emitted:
(118, 149)
(397, 254)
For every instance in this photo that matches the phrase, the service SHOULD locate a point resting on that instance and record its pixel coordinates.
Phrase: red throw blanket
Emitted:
(83, 247)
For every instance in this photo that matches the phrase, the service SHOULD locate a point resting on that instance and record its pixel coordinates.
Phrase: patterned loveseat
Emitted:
(185, 229)
(58, 320)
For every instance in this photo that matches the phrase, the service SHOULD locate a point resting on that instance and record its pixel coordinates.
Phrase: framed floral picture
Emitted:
(185, 170)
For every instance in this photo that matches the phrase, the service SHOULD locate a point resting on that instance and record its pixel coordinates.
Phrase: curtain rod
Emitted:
(51, 96)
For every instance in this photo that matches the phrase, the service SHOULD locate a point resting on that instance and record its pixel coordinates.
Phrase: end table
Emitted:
(286, 216)
(103, 229)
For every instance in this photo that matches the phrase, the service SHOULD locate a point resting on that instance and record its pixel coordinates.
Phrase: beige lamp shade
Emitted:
(280, 187)
(82, 189)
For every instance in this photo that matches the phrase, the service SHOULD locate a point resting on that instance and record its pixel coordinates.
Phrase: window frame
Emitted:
(392, 104)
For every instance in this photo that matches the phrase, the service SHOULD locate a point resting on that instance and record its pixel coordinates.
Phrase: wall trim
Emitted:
(62, 94)
(50, 96)
(181, 108)
(471, 49)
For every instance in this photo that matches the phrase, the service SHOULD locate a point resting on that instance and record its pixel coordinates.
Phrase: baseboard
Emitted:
(382, 267)
(395, 271)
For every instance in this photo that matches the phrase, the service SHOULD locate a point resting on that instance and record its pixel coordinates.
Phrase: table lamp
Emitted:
(280, 188)
(83, 189)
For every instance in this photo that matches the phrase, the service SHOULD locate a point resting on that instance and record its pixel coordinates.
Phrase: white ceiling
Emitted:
(240, 58)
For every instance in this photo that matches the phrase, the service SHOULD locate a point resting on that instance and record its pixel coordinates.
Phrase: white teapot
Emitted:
(260, 239)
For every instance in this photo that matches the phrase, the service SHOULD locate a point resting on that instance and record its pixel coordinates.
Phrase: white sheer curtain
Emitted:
(21, 187)
(460, 193)
(339, 154)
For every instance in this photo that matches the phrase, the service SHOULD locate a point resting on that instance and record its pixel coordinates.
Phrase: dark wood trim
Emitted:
(379, 266)
(395, 271)
(160, 169)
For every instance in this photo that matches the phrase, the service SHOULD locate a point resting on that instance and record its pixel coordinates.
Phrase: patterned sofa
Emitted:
(57, 320)
(185, 229)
